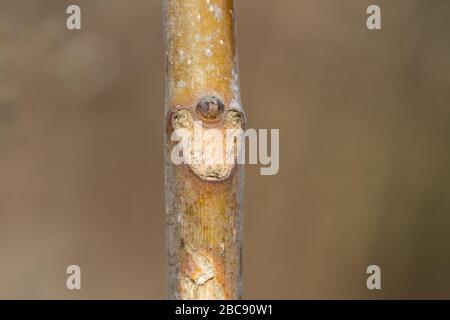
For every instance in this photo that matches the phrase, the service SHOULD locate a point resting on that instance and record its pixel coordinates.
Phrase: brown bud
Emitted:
(210, 108)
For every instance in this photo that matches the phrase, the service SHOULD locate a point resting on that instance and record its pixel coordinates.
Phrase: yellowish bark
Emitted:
(203, 202)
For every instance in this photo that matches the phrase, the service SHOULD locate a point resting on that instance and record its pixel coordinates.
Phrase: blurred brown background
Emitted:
(364, 120)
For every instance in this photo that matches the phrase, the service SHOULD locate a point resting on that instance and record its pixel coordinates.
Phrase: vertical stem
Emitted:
(203, 200)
